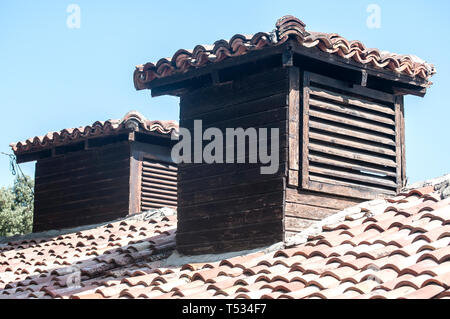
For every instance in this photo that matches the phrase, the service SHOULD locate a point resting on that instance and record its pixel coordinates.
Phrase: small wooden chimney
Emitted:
(339, 109)
(101, 172)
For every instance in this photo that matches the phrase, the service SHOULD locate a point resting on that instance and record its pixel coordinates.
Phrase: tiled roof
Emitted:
(286, 28)
(131, 121)
(387, 248)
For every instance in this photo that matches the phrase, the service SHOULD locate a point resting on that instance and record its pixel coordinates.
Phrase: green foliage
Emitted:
(16, 207)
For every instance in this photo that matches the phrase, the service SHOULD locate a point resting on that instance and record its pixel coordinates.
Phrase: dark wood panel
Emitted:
(236, 219)
(230, 192)
(158, 184)
(82, 188)
(353, 101)
(351, 111)
(271, 229)
(307, 211)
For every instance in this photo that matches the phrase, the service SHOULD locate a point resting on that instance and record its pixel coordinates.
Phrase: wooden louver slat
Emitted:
(350, 138)
(158, 185)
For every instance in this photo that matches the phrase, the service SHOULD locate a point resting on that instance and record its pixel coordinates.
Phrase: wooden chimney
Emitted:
(101, 172)
(338, 106)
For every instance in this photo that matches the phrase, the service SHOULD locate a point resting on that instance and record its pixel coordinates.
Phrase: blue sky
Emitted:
(53, 77)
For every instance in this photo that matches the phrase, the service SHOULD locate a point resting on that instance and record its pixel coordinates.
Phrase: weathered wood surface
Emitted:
(226, 207)
(294, 126)
(351, 139)
(159, 185)
(82, 188)
(303, 208)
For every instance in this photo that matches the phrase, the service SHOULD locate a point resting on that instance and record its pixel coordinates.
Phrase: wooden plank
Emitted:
(238, 110)
(58, 164)
(150, 206)
(214, 247)
(274, 118)
(236, 219)
(152, 180)
(225, 233)
(190, 183)
(305, 129)
(92, 214)
(352, 88)
(244, 203)
(297, 224)
(354, 155)
(154, 199)
(352, 111)
(351, 142)
(65, 202)
(157, 171)
(294, 125)
(328, 185)
(267, 186)
(159, 191)
(70, 182)
(164, 167)
(355, 133)
(159, 176)
(403, 148)
(343, 163)
(347, 121)
(405, 81)
(158, 86)
(135, 182)
(344, 99)
(250, 88)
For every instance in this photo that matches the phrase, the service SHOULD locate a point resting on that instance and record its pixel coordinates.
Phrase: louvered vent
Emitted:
(159, 185)
(352, 138)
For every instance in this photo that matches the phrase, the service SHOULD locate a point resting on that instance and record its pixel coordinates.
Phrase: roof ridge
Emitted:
(287, 27)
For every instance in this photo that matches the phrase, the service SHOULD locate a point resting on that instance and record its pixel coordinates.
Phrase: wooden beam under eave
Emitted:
(317, 54)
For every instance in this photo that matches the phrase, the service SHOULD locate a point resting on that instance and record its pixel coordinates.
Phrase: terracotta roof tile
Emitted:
(132, 121)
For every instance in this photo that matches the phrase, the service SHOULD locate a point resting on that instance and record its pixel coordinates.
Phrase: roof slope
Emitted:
(394, 248)
(131, 121)
(286, 28)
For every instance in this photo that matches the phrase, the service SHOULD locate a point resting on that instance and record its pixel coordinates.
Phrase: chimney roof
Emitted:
(288, 27)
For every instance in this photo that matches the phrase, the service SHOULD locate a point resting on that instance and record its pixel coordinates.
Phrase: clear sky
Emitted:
(53, 77)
